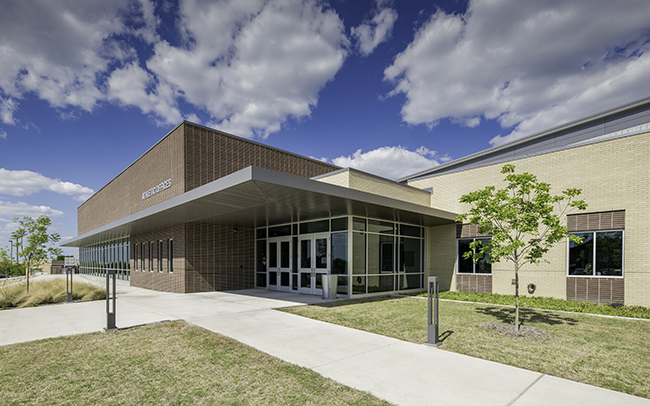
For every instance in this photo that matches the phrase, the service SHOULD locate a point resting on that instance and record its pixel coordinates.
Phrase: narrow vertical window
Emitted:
(142, 258)
(170, 256)
(160, 256)
(150, 256)
(135, 257)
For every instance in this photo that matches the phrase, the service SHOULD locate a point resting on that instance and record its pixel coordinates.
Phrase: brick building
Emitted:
(203, 210)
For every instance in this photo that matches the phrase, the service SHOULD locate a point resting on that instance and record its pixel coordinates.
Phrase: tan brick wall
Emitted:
(339, 178)
(123, 195)
(440, 254)
(371, 184)
(613, 175)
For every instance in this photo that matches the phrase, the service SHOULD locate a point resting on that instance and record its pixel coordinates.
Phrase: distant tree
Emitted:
(523, 219)
(34, 242)
(5, 262)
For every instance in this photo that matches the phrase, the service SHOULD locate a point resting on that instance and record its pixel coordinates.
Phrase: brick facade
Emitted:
(613, 177)
(206, 257)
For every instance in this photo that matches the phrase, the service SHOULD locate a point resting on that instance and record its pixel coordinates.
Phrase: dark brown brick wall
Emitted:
(161, 281)
(596, 290)
(468, 231)
(217, 258)
(475, 283)
(607, 220)
(210, 155)
(123, 195)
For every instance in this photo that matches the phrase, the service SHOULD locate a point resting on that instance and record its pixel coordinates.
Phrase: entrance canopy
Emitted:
(256, 197)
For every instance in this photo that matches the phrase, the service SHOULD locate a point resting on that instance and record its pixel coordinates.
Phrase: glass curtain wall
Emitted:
(368, 255)
(387, 256)
(97, 259)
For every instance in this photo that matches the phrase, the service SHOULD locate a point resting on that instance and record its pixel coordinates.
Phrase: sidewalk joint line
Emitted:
(525, 390)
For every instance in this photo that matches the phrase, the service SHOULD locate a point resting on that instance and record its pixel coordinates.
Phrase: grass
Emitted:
(549, 303)
(47, 291)
(607, 352)
(162, 364)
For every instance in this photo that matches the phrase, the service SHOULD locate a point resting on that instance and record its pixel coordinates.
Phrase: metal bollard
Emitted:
(432, 311)
(110, 316)
(68, 283)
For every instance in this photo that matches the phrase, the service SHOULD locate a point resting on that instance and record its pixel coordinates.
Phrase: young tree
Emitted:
(34, 242)
(524, 220)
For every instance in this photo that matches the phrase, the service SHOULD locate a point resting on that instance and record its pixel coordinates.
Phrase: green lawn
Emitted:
(162, 364)
(607, 352)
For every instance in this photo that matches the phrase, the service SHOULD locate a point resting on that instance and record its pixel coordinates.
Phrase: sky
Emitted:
(388, 87)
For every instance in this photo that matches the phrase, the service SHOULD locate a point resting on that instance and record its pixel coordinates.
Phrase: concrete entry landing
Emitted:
(400, 372)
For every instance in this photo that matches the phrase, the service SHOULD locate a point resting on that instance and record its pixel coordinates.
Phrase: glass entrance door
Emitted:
(313, 263)
(279, 264)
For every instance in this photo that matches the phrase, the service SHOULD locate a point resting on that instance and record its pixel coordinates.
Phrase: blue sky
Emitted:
(389, 87)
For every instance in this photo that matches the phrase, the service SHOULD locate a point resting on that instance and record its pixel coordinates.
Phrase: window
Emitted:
(143, 258)
(135, 256)
(467, 265)
(151, 256)
(599, 254)
(160, 256)
(170, 256)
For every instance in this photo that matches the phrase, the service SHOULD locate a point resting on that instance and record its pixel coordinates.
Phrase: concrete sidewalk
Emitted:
(400, 372)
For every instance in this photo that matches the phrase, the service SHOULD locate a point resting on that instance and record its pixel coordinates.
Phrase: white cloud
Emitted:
(21, 183)
(57, 49)
(3, 134)
(391, 162)
(23, 209)
(370, 33)
(251, 65)
(531, 65)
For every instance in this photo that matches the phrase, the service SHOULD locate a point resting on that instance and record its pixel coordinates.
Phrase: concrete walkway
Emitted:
(400, 372)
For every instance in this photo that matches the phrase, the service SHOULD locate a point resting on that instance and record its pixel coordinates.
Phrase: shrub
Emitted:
(47, 291)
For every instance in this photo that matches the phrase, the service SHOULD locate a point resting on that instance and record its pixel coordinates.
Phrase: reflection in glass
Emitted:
(410, 254)
(342, 286)
(380, 283)
(464, 265)
(340, 253)
(305, 280)
(467, 265)
(321, 253)
(609, 253)
(261, 280)
(383, 227)
(273, 278)
(359, 254)
(312, 227)
(581, 255)
(358, 284)
(305, 254)
(409, 281)
(273, 255)
(284, 279)
(340, 224)
(483, 266)
(380, 254)
(358, 224)
(285, 254)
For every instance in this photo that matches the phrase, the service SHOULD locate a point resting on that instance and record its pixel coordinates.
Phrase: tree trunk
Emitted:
(517, 297)
(27, 272)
